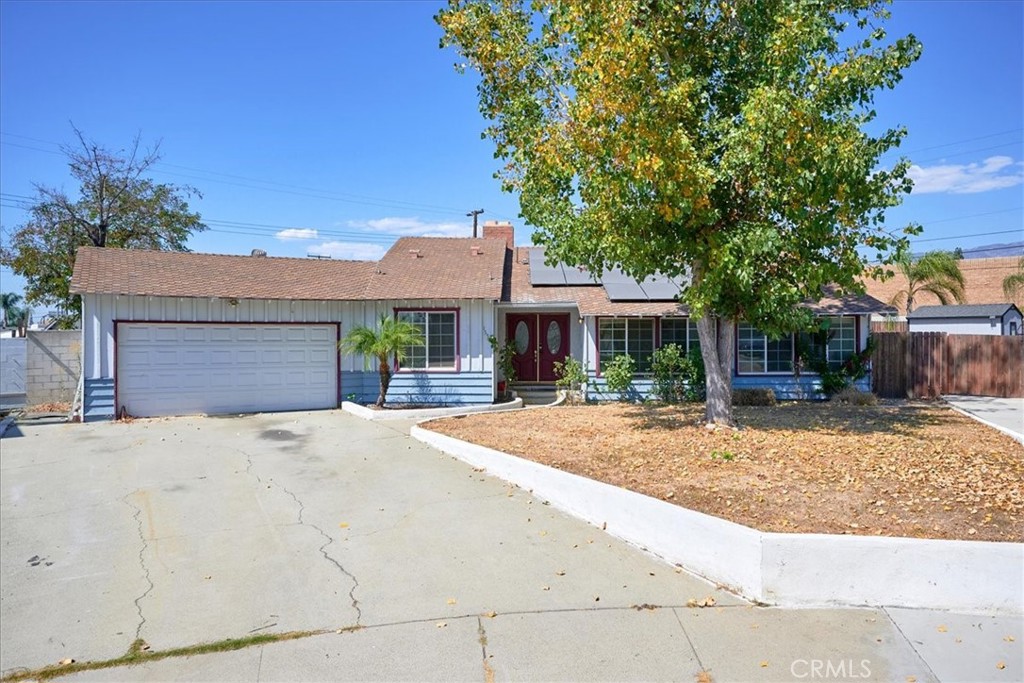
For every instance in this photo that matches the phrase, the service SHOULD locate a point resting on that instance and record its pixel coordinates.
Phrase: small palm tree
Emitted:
(391, 339)
(9, 305)
(1013, 284)
(937, 273)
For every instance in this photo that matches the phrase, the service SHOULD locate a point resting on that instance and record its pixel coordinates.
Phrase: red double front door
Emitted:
(542, 339)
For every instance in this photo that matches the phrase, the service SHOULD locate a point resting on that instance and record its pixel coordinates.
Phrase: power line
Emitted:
(960, 142)
(965, 152)
(297, 190)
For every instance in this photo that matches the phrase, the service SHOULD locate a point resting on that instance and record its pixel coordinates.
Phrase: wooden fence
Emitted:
(928, 364)
(889, 326)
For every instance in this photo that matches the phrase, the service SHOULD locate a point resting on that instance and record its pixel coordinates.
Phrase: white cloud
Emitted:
(297, 234)
(994, 173)
(414, 226)
(356, 251)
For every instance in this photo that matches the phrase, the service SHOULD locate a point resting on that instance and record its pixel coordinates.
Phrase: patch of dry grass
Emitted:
(917, 470)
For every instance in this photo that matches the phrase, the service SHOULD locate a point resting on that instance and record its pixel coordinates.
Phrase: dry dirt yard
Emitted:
(909, 469)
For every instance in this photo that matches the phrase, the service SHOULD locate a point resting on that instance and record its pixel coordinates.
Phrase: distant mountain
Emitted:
(994, 250)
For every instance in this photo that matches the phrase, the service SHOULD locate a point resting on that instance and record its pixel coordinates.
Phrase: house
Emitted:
(167, 333)
(991, 319)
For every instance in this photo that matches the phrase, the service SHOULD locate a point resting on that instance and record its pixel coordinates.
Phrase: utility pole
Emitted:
(474, 213)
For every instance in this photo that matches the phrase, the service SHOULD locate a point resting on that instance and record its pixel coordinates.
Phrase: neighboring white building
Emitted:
(994, 319)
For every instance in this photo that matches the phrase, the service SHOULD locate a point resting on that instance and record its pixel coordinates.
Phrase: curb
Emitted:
(427, 413)
(788, 570)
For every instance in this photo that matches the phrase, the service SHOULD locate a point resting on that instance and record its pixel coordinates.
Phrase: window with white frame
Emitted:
(680, 331)
(439, 335)
(626, 337)
(756, 353)
(836, 341)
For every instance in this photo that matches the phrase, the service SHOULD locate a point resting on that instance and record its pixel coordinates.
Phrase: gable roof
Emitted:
(962, 311)
(440, 268)
(186, 274)
(983, 279)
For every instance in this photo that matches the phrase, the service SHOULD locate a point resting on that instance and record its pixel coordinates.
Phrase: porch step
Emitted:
(535, 394)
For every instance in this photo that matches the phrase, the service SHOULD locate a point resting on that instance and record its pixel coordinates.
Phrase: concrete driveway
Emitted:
(1005, 414)
(395, 561)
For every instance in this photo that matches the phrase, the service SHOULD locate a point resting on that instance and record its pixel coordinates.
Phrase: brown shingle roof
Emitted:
(168, 273)
(983, 278)
(440, 268)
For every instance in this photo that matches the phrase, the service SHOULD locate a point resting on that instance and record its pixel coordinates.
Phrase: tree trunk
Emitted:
(716, 345)
(385, 381)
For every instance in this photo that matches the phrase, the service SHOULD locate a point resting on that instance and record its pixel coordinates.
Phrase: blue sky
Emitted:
(333, 127)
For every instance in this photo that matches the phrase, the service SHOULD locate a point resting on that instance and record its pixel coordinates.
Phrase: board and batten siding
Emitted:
(473, 383)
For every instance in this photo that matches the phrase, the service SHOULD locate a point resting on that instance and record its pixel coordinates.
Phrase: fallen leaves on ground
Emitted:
(912, 469)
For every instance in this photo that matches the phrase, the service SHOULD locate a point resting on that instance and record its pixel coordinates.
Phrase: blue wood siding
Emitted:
(98, 402)
(442, 388)
(597, 389)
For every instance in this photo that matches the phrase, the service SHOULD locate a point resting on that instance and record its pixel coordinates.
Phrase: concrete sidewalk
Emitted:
(185, 531)
(1005, 414)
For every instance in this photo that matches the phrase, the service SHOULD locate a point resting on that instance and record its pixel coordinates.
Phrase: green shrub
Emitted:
(571, 377)
(678, 376)
(753, 397)
(669, 368)
(853, 396)
(619, 375)
(833, 380)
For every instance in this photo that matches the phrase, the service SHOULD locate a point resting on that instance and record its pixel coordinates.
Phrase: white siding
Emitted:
(476, 321)
(958, 325)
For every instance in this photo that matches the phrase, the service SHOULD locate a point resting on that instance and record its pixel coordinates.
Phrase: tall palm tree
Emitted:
(1013, 284)
(9, 305)
(937, 273)
(391, 339)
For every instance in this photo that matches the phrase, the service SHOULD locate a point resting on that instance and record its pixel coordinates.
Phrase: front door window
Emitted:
(554, 337)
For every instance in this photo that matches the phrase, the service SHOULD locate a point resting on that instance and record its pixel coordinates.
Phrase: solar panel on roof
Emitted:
(577, 276)
(624, 291)
(659, 288)
(543, 274)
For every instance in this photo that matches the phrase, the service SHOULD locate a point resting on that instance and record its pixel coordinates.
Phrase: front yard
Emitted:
(908, 469)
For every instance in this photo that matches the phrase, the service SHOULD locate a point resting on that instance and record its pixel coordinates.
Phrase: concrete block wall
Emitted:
(54, 363)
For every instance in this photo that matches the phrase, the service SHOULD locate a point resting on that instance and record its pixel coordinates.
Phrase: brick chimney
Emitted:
(500, 230)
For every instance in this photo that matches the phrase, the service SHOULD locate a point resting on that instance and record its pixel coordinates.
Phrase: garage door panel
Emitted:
(193, 357)
(188, 368)
(321, 334)
(247, 356)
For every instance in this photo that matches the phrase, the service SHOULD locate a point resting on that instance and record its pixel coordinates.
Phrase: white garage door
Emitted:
(189, 368)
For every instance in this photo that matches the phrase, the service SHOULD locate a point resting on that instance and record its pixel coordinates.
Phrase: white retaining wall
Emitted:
(781, 569)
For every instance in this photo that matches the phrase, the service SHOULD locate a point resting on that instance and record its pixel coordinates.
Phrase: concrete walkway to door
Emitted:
(387, 561)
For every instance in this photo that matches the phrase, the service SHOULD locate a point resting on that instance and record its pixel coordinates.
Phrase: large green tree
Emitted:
(115, 206)
(727, 140)
(937, 273)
